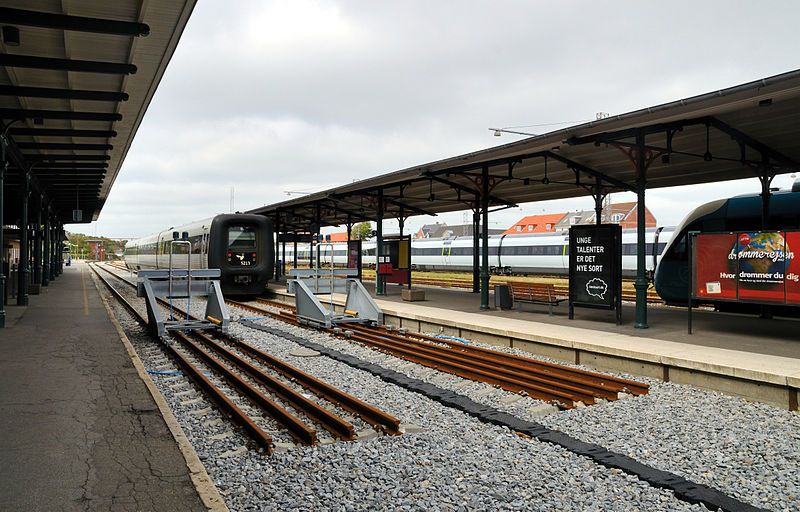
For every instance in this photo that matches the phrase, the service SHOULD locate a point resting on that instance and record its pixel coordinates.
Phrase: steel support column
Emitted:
(22, 288)
(46, 250)
(476, 262)
(294, 254)
(277, 252)
(640, 284)
(379, 284)
(53, 255)
(3, 167)
(60, 247)
(598, 201)
(765, 177)
(52, 267)
(485, 238)
(37, 248)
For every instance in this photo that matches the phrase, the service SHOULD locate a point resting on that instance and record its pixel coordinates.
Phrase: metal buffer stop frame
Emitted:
(182, 284)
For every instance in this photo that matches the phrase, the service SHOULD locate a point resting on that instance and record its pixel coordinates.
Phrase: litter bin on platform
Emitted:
(502, 296)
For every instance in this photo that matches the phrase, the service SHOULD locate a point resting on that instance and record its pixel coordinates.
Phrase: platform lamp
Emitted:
(500, 131)
(3, 168)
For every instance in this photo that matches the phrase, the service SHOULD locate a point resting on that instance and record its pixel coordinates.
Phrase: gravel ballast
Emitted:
(748, 450)
(446, 461)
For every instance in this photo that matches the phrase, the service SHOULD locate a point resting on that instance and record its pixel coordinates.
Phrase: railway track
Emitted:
(563, 386)
(243, 373)
(560, 289)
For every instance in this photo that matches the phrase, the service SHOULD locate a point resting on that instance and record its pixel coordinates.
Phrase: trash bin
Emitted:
(502, 296)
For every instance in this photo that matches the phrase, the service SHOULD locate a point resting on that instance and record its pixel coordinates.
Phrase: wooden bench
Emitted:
(536, 293)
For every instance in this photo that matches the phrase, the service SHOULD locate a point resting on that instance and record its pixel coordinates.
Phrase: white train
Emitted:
(240, 245)
(541, 253)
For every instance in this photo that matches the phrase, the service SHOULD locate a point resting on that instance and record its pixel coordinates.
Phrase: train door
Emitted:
(565, 253)
(446, 253)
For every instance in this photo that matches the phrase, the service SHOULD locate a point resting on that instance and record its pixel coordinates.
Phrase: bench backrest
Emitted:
(531, 290)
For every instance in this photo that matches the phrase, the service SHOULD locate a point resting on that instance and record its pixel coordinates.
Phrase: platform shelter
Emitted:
(749, 130)
(75, 81)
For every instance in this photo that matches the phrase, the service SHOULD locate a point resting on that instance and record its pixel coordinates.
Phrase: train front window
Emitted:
(242, 246)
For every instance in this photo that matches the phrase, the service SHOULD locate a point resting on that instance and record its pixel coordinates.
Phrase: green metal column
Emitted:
(640, 284)
(46, 250)
(22, 288)
(3, 167)
(485, 237)
(277, 245)
(379, 282)
(37, 247)
(60, 247)
(476, 271)
(51, 249)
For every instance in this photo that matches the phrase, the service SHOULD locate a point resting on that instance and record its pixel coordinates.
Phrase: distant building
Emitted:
(430, 230)
(624, 214)
(337, 237)
(535, 224)
(442, 230)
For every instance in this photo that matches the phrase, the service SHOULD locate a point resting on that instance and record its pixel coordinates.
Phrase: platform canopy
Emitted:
(75, 81)
(750, 130)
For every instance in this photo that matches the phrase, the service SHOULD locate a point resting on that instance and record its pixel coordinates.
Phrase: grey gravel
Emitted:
(748, 450)
(453, 463)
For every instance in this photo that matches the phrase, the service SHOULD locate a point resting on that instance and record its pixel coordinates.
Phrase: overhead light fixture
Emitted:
(499, 131)
(10, 35)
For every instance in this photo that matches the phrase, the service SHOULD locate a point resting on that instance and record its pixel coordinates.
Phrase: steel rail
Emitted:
(573, 383)
(604, 384)
(608, 382)
(472, 370)
(510, 366)
(297, 429)
(333, 423)
(262, 438)
(545, 389)
(369, 413)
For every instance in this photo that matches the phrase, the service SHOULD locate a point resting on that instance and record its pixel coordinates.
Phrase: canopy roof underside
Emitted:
(74, 90)
(744, 131)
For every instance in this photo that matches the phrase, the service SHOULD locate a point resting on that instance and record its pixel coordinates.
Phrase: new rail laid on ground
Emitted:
(561, 385)
(233, 367)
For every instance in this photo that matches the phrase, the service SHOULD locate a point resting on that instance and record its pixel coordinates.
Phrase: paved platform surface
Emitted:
(80, 431)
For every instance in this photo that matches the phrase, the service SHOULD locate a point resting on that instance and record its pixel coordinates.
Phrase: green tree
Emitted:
(362, 231)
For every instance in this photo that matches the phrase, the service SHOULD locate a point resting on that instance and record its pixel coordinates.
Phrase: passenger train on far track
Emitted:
(540, 253)
(240, 245)
(740, 213)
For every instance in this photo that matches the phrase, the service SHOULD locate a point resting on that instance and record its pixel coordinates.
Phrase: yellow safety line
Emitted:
(85, 295)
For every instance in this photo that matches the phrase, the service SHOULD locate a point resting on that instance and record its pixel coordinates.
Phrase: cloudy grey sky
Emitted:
(303, 95)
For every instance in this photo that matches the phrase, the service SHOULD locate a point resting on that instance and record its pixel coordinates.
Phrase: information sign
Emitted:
(354, 255)
(595, 265)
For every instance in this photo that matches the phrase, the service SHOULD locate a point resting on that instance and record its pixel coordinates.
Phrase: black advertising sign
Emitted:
(595, 267)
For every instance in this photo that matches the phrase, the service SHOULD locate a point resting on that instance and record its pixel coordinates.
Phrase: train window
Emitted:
(242, 238)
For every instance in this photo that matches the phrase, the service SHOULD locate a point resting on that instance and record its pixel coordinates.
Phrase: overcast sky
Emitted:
(299, 95)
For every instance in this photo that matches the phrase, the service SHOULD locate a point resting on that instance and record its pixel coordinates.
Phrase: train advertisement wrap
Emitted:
(595, 263)
(758, 267)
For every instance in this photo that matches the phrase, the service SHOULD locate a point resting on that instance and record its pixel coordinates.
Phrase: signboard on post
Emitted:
(354, 256)
(595, 268)
(758, 267)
